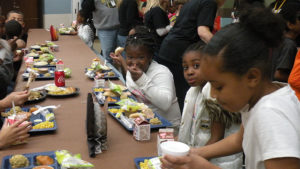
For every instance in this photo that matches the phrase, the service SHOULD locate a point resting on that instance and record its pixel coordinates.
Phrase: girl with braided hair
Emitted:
(150, 82)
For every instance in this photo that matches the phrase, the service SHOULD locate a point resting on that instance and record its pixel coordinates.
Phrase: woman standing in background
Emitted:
(128, 18)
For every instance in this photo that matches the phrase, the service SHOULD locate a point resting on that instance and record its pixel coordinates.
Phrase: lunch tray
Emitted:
(116, 76)
(37, 66)
(64, 95)
(100, 101)
(32, 161)
(37, 116)
(43, 97)
(165, 123)
(140, 159)
(41, 76)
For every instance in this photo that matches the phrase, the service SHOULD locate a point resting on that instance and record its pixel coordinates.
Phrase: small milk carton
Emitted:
(141, 129)
(166, 134)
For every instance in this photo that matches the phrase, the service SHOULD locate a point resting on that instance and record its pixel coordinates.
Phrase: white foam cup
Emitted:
(174, 148)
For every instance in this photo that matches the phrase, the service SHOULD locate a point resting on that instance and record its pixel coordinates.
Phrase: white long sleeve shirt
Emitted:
(86, 34)
(157, 90)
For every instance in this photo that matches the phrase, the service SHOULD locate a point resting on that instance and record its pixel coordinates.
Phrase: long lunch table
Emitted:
(71, 116)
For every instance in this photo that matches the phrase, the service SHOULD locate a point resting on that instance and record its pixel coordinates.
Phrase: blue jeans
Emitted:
(122, 42)
(108, 41)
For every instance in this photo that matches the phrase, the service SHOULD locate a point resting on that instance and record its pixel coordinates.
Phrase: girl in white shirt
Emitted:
(84, 29)
(237, 64)
(151, 82)
(203, 121)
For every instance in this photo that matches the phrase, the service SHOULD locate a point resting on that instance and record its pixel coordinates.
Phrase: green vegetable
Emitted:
(67, 72)
(115, 88)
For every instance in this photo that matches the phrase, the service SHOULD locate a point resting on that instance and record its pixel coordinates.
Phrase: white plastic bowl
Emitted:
(174, 148)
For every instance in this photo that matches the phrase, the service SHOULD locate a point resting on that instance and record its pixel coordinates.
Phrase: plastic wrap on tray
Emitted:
(66, 160)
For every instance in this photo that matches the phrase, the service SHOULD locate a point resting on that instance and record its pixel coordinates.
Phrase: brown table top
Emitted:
(70, 117)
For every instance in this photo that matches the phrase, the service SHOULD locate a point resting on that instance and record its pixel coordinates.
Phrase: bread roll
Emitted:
(119, 50)
(136, 115)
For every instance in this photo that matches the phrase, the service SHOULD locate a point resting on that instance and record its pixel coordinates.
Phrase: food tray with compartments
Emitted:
(42, 66)
(164, 123)
(38, 116)
(32, 160)
(51, 70)
(101, 99)
(105, 72)
(140, 159)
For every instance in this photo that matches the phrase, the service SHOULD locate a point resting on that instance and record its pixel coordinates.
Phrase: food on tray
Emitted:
(35, 47)
(98, 89)
(41, 63)
(44, 125)
(153, 163)
(155, 121)
(110, 93)
(11, 111)
(52, 63)
(46, 57)
(136, 115)
(32, 54)
(109, 99)
(38, 120)
(43, 167)
(54, 90)
(125, 95)
(23, 113)
(149, 113)
(67, 160)
(111, 73)
(49, 117)
(119, 50)
(18, 161)
(115, 110)
(44, 160)
(42, 70)
(32, 109)
(47, 75)
(34, 95)
(144, 164)
(68, 30)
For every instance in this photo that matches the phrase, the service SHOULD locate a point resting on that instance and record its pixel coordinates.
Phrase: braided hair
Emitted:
(142, 37)
(195, 47)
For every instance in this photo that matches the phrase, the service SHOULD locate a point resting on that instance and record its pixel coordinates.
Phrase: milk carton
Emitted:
(141, 129)
(163, 136)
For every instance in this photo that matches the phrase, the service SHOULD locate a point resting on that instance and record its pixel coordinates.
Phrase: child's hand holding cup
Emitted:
(174, 148)
(174, 153)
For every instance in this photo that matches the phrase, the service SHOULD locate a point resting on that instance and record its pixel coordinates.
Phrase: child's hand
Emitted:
(13, 133)
(18, 56)
(18, 97)
(191, 161)
(135, 71)
(117, 59)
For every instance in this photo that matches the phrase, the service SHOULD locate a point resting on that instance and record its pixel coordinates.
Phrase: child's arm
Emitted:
(161, 93)
(229, 145)
(216, 132)
(286, 163)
